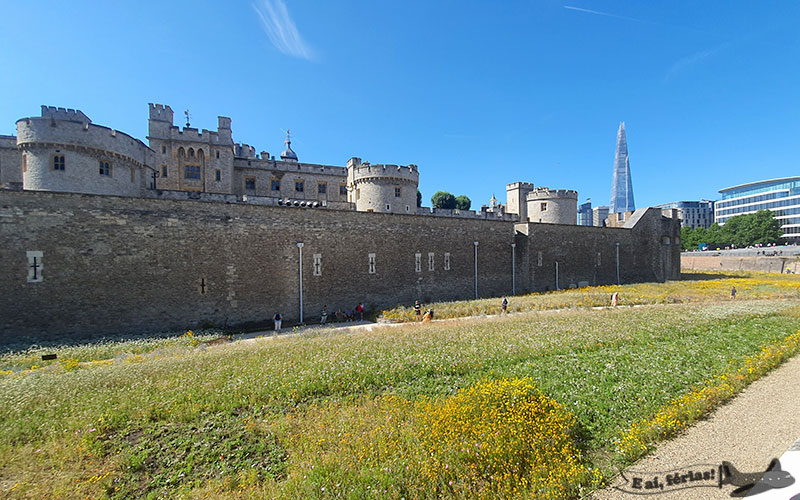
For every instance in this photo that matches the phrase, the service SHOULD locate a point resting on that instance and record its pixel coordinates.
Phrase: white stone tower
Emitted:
(382, 188)
(552, 206)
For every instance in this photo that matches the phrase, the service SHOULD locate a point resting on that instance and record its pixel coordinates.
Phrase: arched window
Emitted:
(181, 152)
(191, 153)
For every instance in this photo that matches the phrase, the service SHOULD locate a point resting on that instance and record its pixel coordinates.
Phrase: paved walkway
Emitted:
(761, 423)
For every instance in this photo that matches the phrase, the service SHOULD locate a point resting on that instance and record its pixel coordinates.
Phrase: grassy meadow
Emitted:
(541, 403)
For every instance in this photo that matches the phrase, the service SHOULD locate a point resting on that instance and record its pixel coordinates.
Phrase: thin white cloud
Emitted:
(281, 30)
(684, 63)
(606, 14)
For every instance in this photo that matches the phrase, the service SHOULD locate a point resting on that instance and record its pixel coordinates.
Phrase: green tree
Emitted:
(419, 198)
(443, 199)
(463, 202)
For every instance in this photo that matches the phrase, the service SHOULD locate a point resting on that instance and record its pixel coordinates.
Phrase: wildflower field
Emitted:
(538, 404)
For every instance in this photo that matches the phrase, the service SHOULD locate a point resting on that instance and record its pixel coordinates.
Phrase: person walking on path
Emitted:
(417, 311)
(278, 319)
(324, 316)
(615, 299)
(733, 293)
(505, 305)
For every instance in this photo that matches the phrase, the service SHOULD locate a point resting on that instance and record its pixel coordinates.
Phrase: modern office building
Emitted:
(585, 213)
(621, 185)
(781, 196)
(599, 215)
(693, 213)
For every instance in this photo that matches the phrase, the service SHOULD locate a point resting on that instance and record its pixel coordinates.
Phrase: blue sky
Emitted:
(478, 94)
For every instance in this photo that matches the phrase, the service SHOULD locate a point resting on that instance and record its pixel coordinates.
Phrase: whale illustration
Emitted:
(753, 483)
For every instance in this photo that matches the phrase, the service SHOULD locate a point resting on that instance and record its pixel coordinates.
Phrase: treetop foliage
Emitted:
(760, 228)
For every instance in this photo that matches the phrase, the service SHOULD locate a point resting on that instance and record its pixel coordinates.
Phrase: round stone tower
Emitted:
(64, 151)
(552, 206)
(382, 188)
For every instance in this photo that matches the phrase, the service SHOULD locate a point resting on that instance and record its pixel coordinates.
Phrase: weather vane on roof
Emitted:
(187, 117)
(288, 140)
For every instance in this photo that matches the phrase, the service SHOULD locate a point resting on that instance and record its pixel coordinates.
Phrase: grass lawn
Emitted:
(536, 403)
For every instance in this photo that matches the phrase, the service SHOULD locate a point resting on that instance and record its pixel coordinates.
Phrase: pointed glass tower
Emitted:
(621, 185)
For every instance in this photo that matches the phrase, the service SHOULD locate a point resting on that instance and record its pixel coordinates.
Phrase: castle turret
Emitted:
(62, 150)
(553, 206)
(516, 194)
(382, 188)
(160, 120)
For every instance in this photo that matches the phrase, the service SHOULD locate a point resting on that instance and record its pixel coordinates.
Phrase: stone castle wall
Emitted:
(83, 145)
(111, 265)
(10, 162)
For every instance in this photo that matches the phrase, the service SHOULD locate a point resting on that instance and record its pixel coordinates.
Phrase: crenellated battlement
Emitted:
(363, 170)
(242, 150)
(545, 193)
(67, 114)
(161, 112)
(520, 185)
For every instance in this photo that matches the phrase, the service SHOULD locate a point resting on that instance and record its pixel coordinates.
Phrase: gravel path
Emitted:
(759, 424)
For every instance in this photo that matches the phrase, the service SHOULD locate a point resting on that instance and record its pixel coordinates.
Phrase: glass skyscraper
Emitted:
(621, 185)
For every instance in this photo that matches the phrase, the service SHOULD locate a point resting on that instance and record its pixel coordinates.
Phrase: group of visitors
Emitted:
(343, 315)
(340, 316)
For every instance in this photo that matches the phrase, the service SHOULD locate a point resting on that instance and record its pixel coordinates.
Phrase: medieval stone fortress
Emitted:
(104, 233)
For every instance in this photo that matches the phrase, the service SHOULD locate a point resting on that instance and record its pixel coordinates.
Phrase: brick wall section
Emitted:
(127, 265)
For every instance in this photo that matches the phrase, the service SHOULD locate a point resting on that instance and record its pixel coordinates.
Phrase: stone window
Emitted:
(598, 259)
(250, 183)
(343, 190)
(191, 171)
(388, 207)
(539, 259)
(397, 192)
(322, 188)
(35, 266)
(447, 261)
(358, 194)
(418, 262)
(59, 162)
(24, 162)
(276, 185)
(105, 168)
(133, 174)
(217, 155)
(317, 267)
(544, 206)
(164, 171)
(218, 174)
(408, 209)
(371, 263)
(163, 150)
(298, 186)
(430, 261)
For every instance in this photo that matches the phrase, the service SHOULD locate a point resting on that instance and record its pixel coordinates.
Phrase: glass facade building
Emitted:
(621, 184)
(781, 196)
(693, 213)
(585, 214)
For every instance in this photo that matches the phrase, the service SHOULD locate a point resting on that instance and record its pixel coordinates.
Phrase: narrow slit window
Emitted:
(418, 262)
(447, 261)
(371, 263)
(430, 261)
(317, 267)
